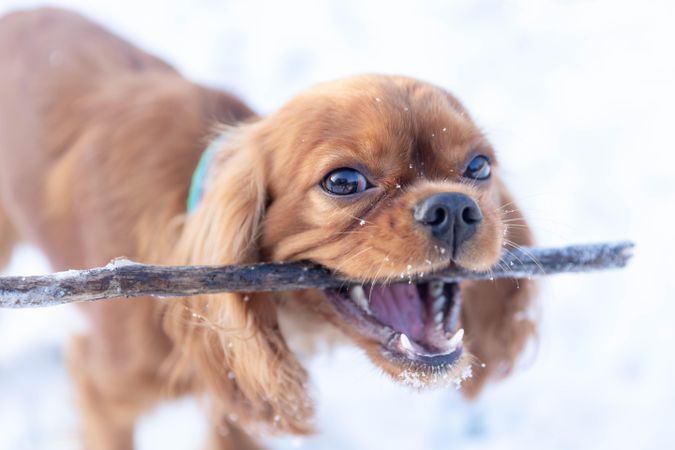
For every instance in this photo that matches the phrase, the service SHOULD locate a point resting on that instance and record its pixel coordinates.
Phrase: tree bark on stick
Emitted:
(125, 278)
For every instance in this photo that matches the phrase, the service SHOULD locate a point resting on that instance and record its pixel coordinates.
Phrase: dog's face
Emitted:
(377, 178)
(381, 178)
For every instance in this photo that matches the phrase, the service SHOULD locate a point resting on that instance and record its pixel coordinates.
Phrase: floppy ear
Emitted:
(497, 314)
(230, 344)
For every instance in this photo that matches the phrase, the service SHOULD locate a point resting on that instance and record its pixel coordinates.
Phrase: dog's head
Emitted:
(377, 178)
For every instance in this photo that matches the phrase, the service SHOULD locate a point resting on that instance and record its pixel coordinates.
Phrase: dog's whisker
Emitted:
(502, 266)
(352, 232)
(526, 252)
(514, 221)
(361, 221)
(379, 270)
(509, 252)
(344, 262)
(500, 207)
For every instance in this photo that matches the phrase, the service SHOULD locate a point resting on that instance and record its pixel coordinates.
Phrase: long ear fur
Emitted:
(230, 344)
(497, 314)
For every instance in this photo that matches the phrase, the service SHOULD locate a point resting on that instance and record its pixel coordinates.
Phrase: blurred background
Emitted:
(576, 96)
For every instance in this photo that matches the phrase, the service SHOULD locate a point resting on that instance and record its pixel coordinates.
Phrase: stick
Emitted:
(125, 278)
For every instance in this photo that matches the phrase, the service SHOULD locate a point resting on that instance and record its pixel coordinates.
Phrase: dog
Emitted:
(377, 177)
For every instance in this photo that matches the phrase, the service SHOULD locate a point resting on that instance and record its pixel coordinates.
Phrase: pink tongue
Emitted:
(400, 307)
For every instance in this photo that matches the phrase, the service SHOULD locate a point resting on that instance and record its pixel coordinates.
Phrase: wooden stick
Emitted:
(125, 278)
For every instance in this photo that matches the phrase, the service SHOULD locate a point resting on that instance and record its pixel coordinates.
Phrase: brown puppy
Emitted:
(376, 177)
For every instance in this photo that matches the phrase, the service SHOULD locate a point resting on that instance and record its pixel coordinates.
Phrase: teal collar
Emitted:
(199, 176)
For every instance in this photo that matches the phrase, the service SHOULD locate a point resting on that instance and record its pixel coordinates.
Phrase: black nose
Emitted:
(450, 217)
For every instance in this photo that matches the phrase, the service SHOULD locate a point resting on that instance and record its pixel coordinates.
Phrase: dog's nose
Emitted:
(451, 217)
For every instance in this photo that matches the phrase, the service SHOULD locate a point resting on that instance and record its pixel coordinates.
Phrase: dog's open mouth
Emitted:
(414, 323)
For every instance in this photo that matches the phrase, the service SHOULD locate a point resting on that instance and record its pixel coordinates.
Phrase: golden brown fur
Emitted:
(98, 142)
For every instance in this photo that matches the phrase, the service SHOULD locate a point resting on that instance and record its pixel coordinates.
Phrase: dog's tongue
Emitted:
(400, 307)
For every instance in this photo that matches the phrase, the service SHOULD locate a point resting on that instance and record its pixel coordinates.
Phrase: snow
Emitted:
(577, 97)
(120, 262)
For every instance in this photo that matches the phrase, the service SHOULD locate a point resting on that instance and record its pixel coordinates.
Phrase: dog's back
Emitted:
(49, 58)
(78, 103)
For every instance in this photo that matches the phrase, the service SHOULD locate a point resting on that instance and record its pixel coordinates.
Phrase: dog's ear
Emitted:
(230, 344)
(498, 315)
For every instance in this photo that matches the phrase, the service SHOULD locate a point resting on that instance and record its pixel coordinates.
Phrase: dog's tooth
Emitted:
(456, 339)
(405, 342)
(438, 319)
(435, 288)
(439, 303)
(357, 291)
(359, 296)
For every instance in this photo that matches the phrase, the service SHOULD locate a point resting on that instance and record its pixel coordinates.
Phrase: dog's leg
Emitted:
(8, 238)
(117, 370)
(108, 419)
(230, 437)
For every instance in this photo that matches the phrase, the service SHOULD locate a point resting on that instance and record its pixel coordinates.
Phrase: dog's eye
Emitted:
(344, 181)
(479, 168)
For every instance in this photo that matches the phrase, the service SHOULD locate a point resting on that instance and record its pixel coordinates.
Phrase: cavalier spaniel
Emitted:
(376, 177)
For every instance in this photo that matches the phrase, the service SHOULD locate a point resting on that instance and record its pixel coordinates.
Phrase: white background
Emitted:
(577, 97)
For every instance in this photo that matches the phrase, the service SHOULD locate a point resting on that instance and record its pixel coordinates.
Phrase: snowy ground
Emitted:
(578, 98)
